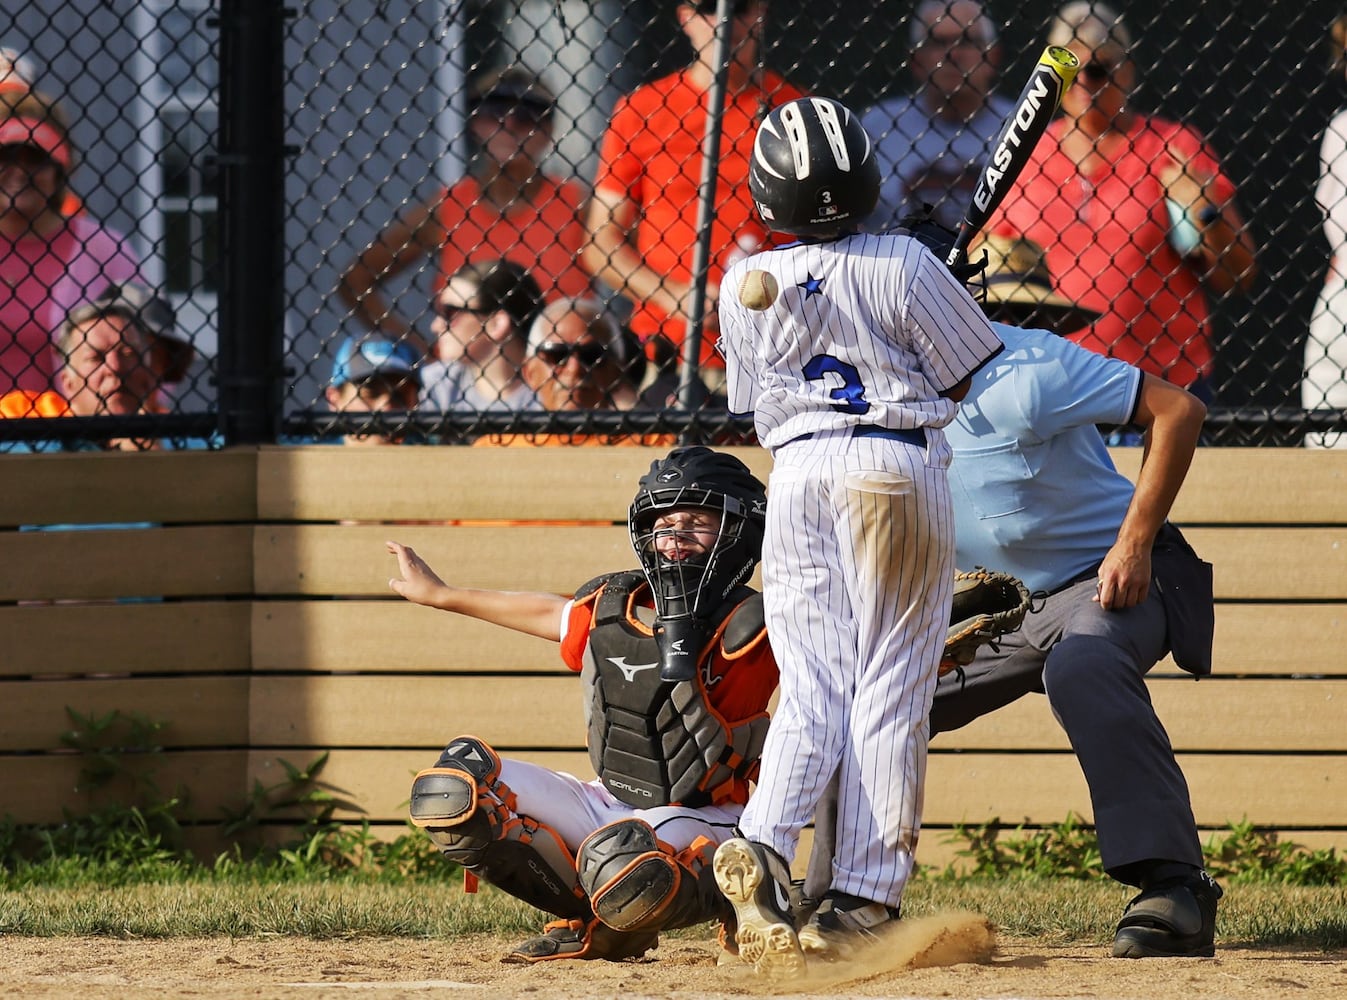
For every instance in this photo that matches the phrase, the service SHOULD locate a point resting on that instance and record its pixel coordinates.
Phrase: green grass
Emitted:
(123, 870)
(1065, 911)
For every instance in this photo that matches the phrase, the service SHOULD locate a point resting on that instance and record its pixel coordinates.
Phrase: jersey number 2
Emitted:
(850, 395)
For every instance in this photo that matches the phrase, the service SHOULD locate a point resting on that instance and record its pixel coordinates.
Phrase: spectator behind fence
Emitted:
(1325, 380)
(643, 215)
(930, 145)
(578, 360)
(105, 345)
(52, 261)
(482, 319)
(373, 374)
(506, 207)
(1137, 218)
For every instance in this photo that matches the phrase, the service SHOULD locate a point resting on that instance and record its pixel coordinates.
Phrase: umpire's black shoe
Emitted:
(756, 881)
(1174, 918)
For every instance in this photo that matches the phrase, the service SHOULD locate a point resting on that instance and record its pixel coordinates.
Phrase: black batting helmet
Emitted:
(813, 171)
(688, 592)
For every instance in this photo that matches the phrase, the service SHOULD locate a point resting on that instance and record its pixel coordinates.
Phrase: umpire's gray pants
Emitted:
(1091, 664)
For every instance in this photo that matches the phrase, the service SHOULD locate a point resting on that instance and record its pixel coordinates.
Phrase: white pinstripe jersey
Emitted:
(866, 329)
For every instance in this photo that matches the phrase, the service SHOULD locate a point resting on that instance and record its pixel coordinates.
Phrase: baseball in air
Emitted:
(758, 290)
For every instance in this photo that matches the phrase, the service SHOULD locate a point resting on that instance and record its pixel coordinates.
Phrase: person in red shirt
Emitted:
(643, 213)
(506, 208)
(676, 674)
(1137, 217)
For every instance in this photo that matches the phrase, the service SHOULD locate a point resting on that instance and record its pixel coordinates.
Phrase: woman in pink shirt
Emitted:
(1138, 220)
(50, 261)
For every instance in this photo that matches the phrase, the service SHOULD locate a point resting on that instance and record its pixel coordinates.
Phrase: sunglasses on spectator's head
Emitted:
(557, 353)
(709, 6)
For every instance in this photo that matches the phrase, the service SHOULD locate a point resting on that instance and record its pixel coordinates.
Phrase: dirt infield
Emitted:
(949, 957)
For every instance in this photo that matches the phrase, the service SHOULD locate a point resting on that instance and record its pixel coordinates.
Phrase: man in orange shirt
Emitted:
(643, 213)
(506, 208)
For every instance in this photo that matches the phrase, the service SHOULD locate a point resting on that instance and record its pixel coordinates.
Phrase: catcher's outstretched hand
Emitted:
(418, 582)
(987, 605)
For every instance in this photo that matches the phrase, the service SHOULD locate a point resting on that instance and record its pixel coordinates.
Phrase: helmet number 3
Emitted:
(850, 394)
(797, 134)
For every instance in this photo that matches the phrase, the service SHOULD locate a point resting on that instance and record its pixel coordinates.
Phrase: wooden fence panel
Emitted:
(189, 561)
(199, 711)
(166, 487)
(352, 560)
(507, 712)
(150, 638)
(39, 789)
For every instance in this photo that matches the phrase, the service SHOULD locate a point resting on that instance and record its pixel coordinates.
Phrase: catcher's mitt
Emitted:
(987, 605)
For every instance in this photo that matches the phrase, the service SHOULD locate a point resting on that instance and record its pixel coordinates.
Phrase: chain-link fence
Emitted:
(451, 221)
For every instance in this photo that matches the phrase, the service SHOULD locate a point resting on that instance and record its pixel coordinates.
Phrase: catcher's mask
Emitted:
(688, 578)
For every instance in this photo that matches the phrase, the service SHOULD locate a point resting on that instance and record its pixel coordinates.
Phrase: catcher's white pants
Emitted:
(858, 566)
(574, 809)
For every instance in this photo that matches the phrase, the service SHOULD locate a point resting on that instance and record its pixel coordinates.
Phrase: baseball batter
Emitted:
(850, 373)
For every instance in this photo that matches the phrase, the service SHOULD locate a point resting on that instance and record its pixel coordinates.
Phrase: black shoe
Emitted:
(843, 924)
(756, 881)
(581, 939)
(1174, 918)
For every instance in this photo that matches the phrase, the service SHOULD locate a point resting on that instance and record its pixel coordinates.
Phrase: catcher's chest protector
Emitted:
(654, 742)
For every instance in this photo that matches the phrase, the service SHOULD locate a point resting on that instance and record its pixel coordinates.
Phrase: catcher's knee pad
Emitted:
(634, 882)
(448, 792)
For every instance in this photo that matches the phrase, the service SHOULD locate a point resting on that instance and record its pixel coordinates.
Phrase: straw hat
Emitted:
(1019, 287)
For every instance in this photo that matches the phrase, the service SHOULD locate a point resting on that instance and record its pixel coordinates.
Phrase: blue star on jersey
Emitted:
(811, 286)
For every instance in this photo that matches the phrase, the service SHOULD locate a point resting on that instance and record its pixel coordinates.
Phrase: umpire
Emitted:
(1036, 495)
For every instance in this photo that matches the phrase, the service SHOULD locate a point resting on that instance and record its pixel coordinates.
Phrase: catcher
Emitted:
(676, 674)
(1037, 495)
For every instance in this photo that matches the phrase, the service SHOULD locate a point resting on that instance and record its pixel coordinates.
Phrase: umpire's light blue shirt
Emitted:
(1035, 492)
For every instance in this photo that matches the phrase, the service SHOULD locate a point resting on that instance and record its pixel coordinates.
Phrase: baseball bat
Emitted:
(1038, 102)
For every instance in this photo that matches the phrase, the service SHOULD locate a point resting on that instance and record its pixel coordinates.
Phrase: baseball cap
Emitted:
(45, 136)
(136, 302)
(1019, 287)
(361, 358)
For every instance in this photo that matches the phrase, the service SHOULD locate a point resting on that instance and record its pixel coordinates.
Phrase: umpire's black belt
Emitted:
(908, 435)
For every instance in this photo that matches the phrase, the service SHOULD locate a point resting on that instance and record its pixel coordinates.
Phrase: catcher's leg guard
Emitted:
(469, 813)
(636, 883)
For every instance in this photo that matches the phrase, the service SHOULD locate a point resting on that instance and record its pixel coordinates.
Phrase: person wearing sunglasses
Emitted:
(506, 207)
(482, 318)
(930, 145)
(579, 359)
(1137, 216)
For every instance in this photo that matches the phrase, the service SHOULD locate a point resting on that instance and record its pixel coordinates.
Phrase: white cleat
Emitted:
(756, 881)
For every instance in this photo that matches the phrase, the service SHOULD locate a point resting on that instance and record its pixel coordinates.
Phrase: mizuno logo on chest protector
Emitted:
(630, 670)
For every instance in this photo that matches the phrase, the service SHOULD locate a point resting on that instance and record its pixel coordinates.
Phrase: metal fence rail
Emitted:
(295, 180)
